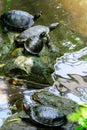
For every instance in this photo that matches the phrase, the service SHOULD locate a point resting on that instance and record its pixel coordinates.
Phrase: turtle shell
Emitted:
(31, 32)
(34, 31)
(45, 115)
(35, 44)
(17, 20)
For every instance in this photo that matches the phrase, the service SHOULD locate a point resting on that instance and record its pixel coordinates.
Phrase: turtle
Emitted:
(18, 20)
(34, 44)
(34, 31)
(34, 38)
(45, 115)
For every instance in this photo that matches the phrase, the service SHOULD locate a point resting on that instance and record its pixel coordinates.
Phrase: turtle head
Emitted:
(37, 15)
(53, 26)
(43, 34)
(19, 39)
(26, 108)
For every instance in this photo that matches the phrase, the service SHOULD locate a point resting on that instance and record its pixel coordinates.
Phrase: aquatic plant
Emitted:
(80, 116)
(7, 6)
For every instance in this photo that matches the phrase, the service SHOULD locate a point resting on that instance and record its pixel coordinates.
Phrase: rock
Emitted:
(29, 68)
(13, 63)
(15, 123)
(45, 97)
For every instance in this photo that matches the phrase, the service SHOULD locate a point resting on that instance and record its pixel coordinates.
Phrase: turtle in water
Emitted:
(18, 20)
(45, 115)
(34, 38)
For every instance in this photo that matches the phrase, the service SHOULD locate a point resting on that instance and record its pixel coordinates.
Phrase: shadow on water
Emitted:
(70, 70)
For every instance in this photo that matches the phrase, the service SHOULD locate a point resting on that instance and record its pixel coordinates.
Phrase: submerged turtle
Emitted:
(33, 38)
(45, 115)
(18, 20)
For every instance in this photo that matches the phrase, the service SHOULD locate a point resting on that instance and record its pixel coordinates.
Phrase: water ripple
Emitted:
(70, 75)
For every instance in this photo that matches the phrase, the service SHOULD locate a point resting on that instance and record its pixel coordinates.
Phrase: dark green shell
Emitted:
(46, 115)
(34, 31)
(35, 44)
(17, 20)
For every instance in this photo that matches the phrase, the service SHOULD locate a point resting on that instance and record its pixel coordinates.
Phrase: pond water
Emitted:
(70, 68)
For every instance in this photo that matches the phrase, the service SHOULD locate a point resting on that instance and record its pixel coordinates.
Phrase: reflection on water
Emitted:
(70, 75)
(9, 94)
(4, 104)
(71, 64)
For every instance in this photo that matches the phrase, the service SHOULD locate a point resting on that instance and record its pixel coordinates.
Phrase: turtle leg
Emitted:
(47, 39)
(5, 30)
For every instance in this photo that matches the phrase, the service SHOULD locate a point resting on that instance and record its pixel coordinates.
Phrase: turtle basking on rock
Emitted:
(45, 115)
(34, 44)
(34, 31)
(34, 38)
(18, 20)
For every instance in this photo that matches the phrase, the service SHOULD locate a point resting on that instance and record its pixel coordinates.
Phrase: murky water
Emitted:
(70, 74)
(78, 13)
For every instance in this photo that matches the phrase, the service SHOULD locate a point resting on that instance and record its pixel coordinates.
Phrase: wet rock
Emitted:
(45, 97)
(29, 68)
(14, 63)
(15, 123)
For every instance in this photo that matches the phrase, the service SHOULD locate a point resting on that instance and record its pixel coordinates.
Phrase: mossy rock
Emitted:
(29, 68)
(45, 97)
